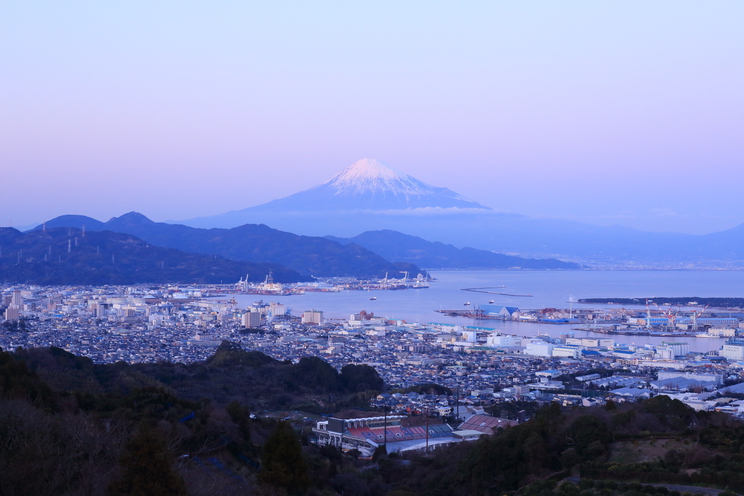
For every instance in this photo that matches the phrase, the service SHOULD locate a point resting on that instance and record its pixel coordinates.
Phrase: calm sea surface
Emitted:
(548, 289)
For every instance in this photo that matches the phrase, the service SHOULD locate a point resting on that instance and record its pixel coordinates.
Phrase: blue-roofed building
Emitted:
(590, 354)
(500, 311)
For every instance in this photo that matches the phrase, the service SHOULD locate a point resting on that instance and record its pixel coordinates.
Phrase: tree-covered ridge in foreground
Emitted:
(69, 426)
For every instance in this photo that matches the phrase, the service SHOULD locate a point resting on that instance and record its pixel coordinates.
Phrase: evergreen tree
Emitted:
(282, 462)
(146, 469)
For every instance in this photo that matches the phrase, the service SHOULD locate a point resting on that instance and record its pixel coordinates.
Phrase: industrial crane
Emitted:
(671, 317)
(695, 315)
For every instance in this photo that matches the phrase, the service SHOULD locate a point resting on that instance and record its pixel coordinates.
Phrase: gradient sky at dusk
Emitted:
(627, 113)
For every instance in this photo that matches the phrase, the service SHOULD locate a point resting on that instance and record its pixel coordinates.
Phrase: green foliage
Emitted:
(313, 372)
(17, 381)
(282, 464)
(590, 435)
(146, 468)
(69, 439)
(105, 257)
(229, 354)
(240, 414)
(380, 451)
(428, 388)
(357, 378)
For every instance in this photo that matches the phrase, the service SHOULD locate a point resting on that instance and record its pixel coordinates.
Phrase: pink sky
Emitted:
(610, 113)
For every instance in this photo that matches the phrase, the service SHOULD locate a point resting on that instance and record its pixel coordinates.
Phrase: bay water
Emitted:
(554, 289)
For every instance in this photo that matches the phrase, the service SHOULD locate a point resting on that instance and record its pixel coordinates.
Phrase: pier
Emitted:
(486, 291)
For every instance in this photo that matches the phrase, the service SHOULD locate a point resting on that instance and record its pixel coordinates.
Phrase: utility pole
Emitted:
(385, 426)
(457, 404)
(426, 413)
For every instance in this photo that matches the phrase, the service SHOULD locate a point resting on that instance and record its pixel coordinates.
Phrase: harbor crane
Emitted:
(694, 316)
(671, 317)
(648, 316)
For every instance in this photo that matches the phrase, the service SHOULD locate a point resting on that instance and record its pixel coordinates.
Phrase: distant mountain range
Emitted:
(310, 256)
(368, 196)
(365, 186)
(430, 255)
(67, 256)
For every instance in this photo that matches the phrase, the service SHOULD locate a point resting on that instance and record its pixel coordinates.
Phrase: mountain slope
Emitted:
(365, 186)
(398, 246)
(63, 256)
(78, 221)
(370, 185)
(529, 237)
(369, 196)
(258, 243)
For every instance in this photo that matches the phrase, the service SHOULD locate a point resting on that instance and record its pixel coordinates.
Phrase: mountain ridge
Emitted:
(430, 255)
(366, 185)
(308, 255)
(67, 256)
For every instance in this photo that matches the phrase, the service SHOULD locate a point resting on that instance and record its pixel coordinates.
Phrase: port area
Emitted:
(651, 320)
(530, 316)
(268, 287)
(640, 331)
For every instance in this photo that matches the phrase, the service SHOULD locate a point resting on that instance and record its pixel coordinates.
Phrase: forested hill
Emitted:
(68, 426)
(257, 243)
(66, 256)
(394, 245)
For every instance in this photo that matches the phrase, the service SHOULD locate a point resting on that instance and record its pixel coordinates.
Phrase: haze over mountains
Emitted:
(69, 256)
(301, 256)
(368, 196)
(310, 256)
(403, 222)
(398, 246)
(365, 186)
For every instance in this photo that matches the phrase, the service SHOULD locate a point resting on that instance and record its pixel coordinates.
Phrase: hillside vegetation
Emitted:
(257, 243)
(69, 426)
(67, 256)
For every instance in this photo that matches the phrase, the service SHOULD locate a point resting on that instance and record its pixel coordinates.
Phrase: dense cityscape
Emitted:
(185, 324)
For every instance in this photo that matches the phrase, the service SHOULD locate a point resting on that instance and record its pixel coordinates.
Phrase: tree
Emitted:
(241, 415)
(282, 464)
(355, 378)
(591, 436)
(146, 468)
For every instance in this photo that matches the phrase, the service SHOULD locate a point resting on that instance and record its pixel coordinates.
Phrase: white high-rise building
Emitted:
(251, 319)
(12, 313)
(312, 317)
(277, 309)
(17, 299)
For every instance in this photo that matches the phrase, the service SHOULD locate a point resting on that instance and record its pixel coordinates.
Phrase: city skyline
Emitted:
(625, 114)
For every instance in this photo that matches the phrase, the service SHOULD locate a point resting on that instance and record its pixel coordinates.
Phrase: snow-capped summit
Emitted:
(369, 174)
(368, 184)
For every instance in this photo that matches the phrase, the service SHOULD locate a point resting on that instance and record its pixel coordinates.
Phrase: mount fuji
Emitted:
(370, 196)
(369, 185)
(365, 191)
